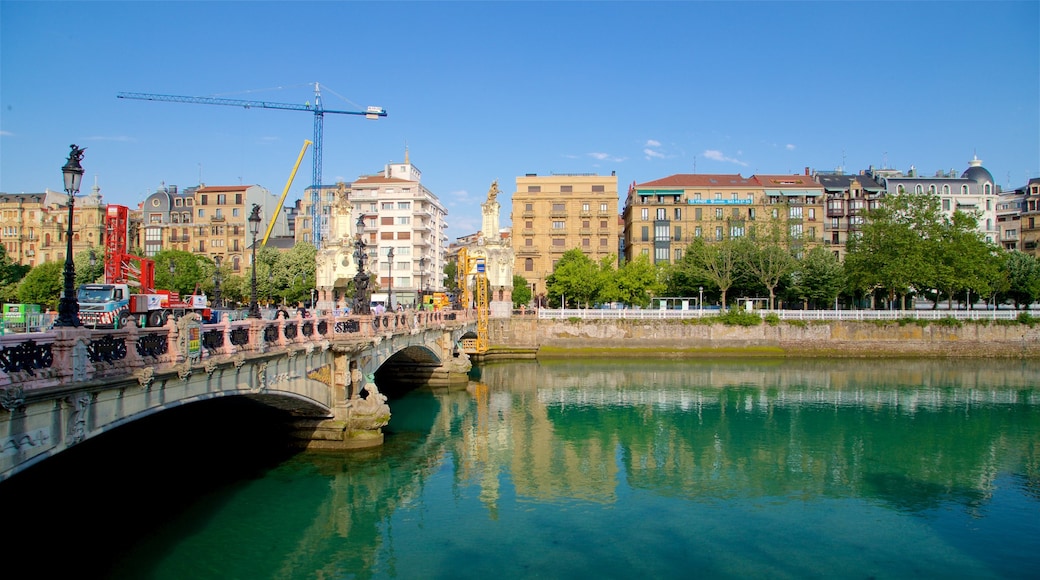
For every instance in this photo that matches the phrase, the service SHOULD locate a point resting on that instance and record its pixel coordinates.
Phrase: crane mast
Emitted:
(317, 228)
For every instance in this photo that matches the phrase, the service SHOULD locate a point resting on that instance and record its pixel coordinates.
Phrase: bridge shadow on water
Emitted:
(75, 514)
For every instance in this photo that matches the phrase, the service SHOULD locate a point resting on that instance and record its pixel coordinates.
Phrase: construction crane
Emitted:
(319, 111)
(281, 200)
(466, 264)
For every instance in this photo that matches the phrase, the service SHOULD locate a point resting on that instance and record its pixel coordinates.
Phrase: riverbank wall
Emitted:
(526, 337)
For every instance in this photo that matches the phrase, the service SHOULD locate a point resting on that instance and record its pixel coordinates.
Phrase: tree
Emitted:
(766, 259)
(43, 285)
(576, 278)
(451, 277)
(521, 291)
(894, 245)
(818, 278)
(715, 262)
(87, 273)
(10, 275)
(1023, 276)
(634, 283)
(294, 273)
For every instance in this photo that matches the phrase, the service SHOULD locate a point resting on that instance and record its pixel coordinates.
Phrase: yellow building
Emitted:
(663, 216)
(33, 226)
(559, 212)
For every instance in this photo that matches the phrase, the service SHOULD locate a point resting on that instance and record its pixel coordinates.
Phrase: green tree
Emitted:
(576, 278)
(766, 259)
(1023, 275)
(87, 273)
(451, 277)
(818, 278)
(189, 270)
(294, 274)
(894, 246)
(10, 275)
(43, 285)
(521, 291)
(716, 263)
(635, 283)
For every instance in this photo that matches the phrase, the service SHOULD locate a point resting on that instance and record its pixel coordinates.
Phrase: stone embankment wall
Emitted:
(838, 339)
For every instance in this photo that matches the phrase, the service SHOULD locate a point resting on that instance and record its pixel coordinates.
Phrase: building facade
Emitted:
(398, 212)
(1030, 220)
(34, 226)
(555, 213)
(974, 191)
(848, 198)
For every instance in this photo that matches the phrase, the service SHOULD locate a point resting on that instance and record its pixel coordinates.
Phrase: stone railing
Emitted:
(62, 356)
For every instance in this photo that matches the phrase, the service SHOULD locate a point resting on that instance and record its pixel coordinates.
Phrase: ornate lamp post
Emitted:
(173, 271)
(422, 281)
(362, 305)
(68, 307)
(217, 279)
(254, 228)
(700, 299)
(390, 280)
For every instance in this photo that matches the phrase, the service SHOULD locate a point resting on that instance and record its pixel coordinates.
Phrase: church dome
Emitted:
(977, 173)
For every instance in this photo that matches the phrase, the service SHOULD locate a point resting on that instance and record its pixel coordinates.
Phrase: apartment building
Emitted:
(974, 191)
(208, 220)
(1030, 220)
(848, 198)
(400, 213)
(302, 219)
(34, 226)
(1009, 218)
(558, 212)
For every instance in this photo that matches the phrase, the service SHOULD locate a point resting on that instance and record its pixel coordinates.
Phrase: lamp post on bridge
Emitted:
(422, 281)
(217, 279)
(390, 280)
(254, 228)
(362, 305)
(68, 306)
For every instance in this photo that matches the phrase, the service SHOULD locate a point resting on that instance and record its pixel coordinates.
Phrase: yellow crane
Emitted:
(467, 264)
(281, 201)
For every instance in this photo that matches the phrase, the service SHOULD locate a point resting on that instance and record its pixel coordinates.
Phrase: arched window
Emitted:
(986, 189)
(931, 189)
(235, 264)
(918, 188)
(964, 189)
(946, 190)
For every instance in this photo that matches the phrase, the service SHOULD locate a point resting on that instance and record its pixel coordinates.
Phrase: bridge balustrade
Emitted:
(62, 356)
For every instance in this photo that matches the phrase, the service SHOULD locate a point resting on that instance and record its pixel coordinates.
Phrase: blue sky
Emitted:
(479, 91)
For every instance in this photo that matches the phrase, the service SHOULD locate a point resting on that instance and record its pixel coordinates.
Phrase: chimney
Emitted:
(807, 171)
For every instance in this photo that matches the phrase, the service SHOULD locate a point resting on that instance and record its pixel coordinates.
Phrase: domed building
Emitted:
(974, 191)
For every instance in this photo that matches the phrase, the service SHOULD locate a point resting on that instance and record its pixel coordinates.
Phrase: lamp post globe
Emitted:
(254, 228)
(68, 307)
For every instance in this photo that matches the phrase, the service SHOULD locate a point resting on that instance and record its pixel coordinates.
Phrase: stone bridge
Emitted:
(67, 385)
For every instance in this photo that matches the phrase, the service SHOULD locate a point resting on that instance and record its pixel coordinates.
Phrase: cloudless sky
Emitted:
(484, 91)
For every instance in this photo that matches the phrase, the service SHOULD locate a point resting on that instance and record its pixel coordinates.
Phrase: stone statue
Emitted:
(493, 192)
(371, 412)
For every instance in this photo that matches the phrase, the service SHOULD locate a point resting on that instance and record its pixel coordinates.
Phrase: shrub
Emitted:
(773, 319)
(738, 317)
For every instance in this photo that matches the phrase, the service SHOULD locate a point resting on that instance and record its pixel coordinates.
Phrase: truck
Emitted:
(129, 287)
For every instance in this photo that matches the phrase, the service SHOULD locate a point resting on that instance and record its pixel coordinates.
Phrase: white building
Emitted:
(401, 214)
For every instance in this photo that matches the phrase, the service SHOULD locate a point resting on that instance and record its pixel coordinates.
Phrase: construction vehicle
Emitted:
(129, 288)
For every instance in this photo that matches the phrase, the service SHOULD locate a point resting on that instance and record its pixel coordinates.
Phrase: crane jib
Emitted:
(245, 104)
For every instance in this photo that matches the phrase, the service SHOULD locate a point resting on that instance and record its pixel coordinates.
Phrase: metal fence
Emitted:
(649, 314)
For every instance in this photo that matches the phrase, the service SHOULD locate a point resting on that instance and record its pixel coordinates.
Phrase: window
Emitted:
(202, 213)
(645, 234)
(559, 242)
(528, 207)
(796, 231)
(177, 202)
(221, 199)
(404, 236)
(645, 213)
(585, 224)
(678, 213)
(238, 199)
(597, 189)
(529, 224)
(697, 232)
(155, 202)
(718, 233)
(812, 214)
(585, 208)
(204, 199)
(153, 235)
(662, 213)
(404, 220)
(566, 189)
(698, 213)
(602, 224)
(678, 255)
(217, 214)
(234, 212)
(404, 205)
(586, 242)
(678, 233)
(795, 212)
(529, 264)
(386, 221)
(718, 213)
(736, 231)
(387, 205)
(603, 242)
(751, 214)
(534, 189)
(660, 254)
(529, 242)
(559, 225)
(603, 208)
(662, 233)
(946, 205)
(559, 207)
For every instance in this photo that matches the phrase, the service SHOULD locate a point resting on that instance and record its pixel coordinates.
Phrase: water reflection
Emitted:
(812, 468)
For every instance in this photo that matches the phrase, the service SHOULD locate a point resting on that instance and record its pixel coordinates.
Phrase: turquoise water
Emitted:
(618, 469)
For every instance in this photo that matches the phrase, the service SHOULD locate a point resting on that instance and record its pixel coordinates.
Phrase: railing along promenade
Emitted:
(62, 356)
(823, 315)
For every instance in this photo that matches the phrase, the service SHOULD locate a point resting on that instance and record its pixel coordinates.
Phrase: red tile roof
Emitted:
(700, 180)
(780, 181)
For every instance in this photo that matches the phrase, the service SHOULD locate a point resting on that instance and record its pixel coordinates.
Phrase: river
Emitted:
(577, 469)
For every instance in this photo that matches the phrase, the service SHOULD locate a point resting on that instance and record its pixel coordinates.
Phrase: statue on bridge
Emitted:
(370, 412)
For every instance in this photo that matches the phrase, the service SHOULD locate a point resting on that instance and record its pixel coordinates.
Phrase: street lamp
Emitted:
(254, 228)
(390, 280)
(422, 280)
(362, 305)
(68, 307)
(700, 300)
(217, 279)
(173, 271)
